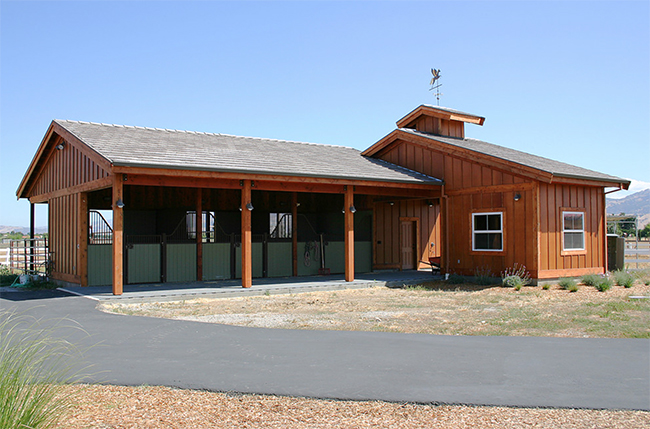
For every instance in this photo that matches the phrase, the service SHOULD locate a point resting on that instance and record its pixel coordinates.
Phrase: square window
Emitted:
(487, 232)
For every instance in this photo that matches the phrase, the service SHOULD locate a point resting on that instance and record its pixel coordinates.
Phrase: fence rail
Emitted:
(29, 256)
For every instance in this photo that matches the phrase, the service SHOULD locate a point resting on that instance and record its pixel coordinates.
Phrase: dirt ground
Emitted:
(113, 407)
(435, 308)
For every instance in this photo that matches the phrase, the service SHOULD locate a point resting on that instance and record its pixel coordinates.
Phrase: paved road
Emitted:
(513, 371)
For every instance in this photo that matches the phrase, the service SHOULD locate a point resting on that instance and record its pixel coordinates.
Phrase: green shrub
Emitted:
(569, 284)
(604, 284)
(590, 279)
(455, 279)
(6, 277)
(33, 367)
(623, 278)
(512, 281)
(546, 286)
(483, 276)
(515, 276)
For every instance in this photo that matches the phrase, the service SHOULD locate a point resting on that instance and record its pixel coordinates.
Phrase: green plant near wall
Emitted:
(568, 283)
(34, 365)
(590, 279)
(623, 278)
(516, 276)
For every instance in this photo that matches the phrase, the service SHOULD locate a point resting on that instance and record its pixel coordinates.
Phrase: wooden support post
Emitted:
(118, 235)
(31, 237)
(246, 236)
(349, 233)
(82, 240)
(199, 235)
(294, 233)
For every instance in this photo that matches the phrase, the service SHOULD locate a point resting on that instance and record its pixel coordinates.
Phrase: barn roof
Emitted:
(547, 165)
(173, 149)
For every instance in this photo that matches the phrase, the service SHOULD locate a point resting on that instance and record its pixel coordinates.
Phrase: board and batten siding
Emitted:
(556, 198)
(387, 217)
(67, 168)
(470, 187)
(63, 227)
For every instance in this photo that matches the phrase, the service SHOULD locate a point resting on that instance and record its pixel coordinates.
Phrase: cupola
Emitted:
(438, 120)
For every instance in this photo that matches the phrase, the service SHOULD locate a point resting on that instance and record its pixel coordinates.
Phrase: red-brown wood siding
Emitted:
(555, 198)
(468, 185)
(63, 228)
(66, 168)
(387, 230)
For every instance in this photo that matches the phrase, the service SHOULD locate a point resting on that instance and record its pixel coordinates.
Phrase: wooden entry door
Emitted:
(409, 243)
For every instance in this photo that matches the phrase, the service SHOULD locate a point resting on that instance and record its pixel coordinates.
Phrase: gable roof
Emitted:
(173, 149)
(545, 165)
(439, 112)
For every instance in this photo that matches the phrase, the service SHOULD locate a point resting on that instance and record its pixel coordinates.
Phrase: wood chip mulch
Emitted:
(118, 407)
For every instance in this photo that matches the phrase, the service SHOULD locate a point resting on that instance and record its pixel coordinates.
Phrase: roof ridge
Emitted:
(205, 133)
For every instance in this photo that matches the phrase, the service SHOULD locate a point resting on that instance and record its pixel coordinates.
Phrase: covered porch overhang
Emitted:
(245, 200)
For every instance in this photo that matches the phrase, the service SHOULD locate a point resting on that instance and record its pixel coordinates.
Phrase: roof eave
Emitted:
(126, 165)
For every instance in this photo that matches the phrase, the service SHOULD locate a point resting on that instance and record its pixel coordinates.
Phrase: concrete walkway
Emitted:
(507, 371)
(262, 286)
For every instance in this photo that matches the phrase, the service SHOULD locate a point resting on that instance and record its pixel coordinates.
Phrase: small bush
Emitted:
(6, 277)
(515, 276)
(546, 286)
(483, 276)
(590, 279)
(569, 284)
(512, 281)
(604, 284)
(623, 278)
(456, 279)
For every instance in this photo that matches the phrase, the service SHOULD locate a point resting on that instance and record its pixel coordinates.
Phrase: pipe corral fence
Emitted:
(29, 256)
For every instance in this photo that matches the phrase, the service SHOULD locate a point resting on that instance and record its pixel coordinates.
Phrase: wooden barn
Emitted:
(187, 206)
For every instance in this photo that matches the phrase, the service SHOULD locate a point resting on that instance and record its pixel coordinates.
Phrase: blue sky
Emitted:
(565, 80)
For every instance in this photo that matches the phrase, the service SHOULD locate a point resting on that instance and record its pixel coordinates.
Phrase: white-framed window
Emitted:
(573, 230)
(487, 232)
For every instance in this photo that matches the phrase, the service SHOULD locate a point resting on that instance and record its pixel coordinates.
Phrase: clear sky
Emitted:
(565, 80)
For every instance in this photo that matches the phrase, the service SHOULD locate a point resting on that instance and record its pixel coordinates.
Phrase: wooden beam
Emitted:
(349, 234)
(529, 186)
(95, 185)
(118, 235)
(294, 233)
(82, 240)
(246, 237)
(199, 235)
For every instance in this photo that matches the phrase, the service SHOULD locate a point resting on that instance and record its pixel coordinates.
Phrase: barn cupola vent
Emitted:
(440, 121)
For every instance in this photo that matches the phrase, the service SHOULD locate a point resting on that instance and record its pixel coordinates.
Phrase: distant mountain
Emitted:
(22, 229)
(635, 204)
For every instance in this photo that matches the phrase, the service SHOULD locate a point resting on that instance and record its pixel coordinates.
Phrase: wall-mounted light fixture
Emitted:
(249, 206)
(60, 146)
(517, 196)
(353, 209)
(119, 204)
(430, 203)
(391, 203)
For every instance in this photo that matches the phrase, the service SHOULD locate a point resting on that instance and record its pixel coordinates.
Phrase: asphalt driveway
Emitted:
(509, 371)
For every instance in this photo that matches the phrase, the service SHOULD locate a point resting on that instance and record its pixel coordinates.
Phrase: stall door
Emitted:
(408, 244)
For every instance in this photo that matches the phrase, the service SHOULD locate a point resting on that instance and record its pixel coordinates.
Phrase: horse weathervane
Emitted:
(434, 80)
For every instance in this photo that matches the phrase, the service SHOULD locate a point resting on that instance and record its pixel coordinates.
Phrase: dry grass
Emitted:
(435, 308)
(104, 407)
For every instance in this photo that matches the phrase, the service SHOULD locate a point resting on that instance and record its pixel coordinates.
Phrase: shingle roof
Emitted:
(162, 148)
(556, 168)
